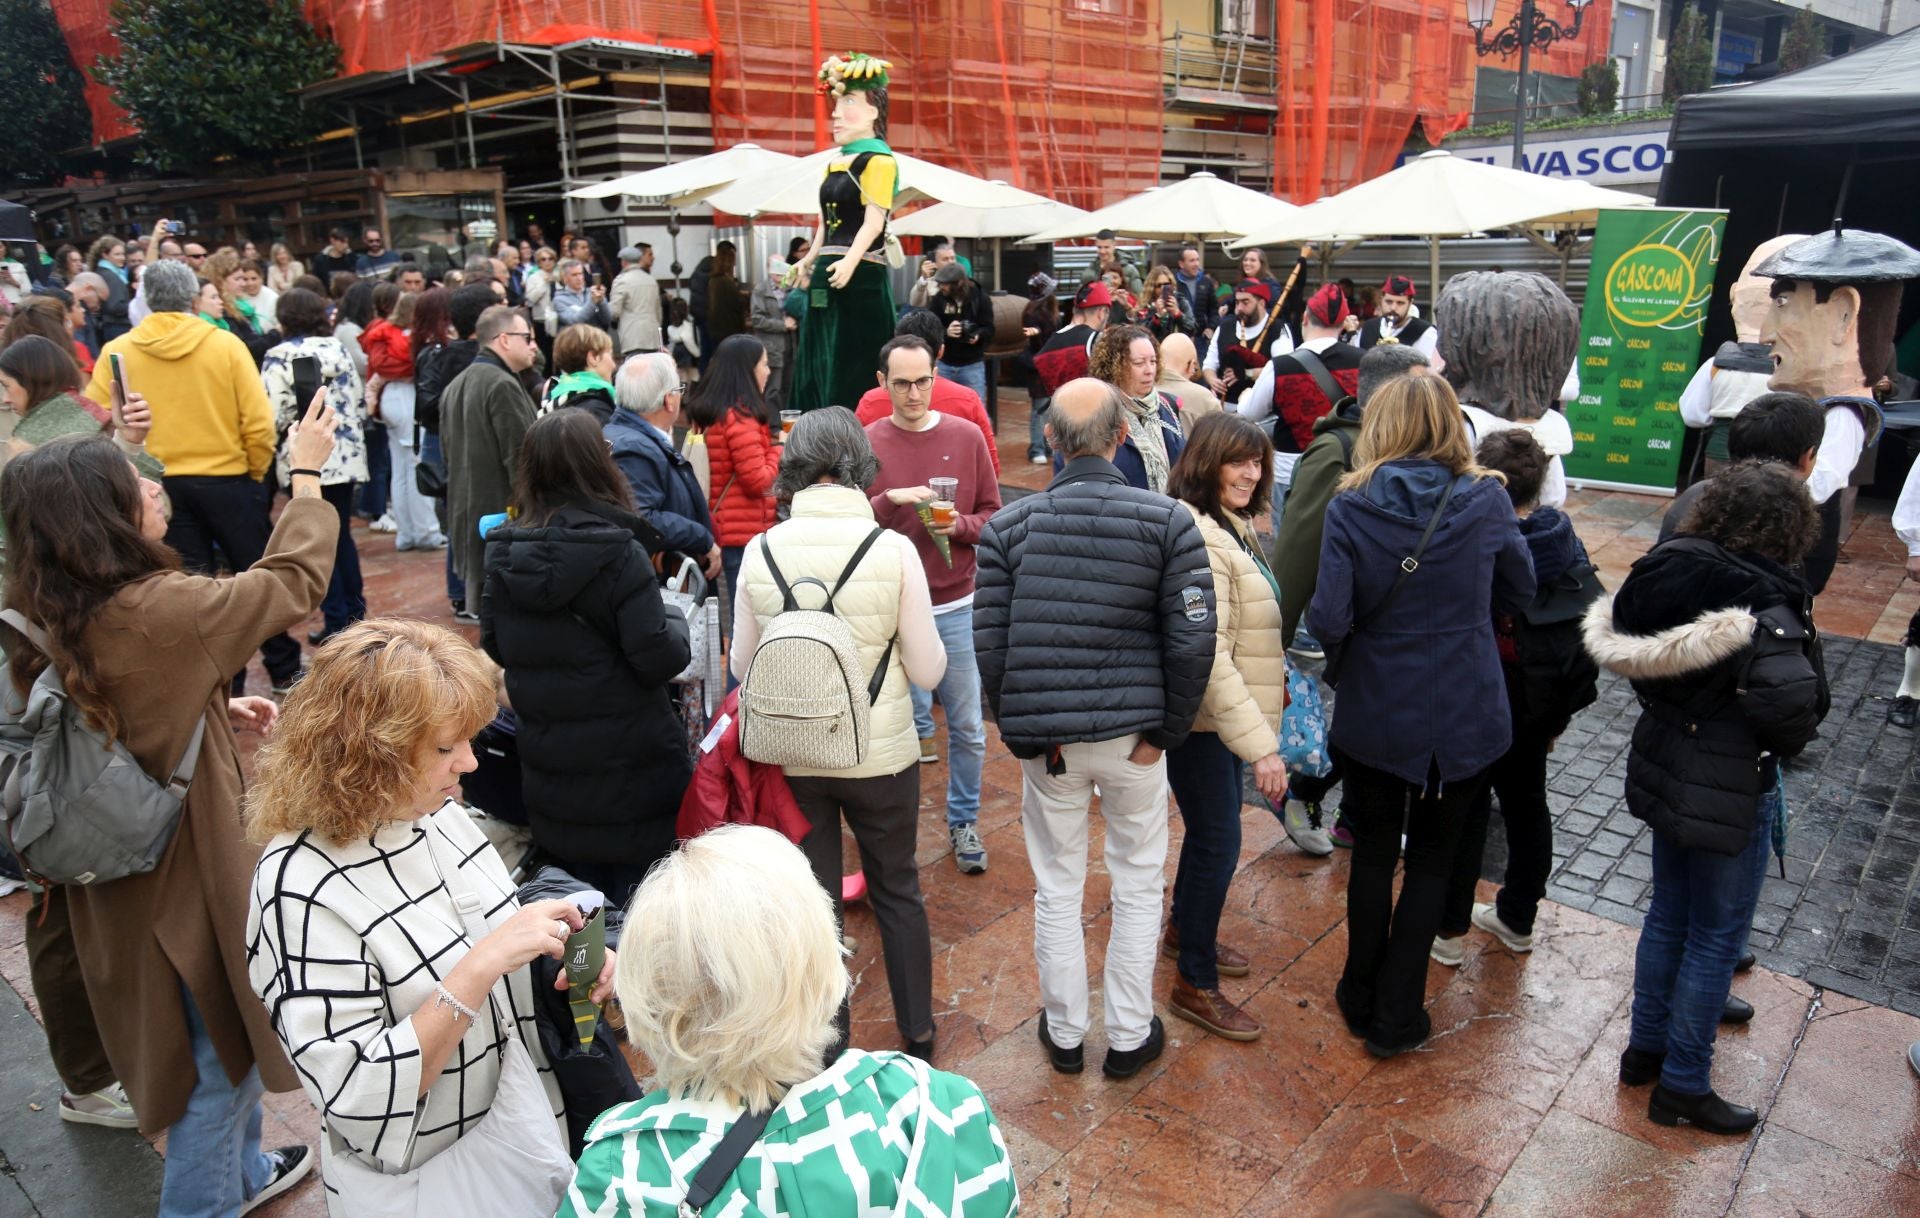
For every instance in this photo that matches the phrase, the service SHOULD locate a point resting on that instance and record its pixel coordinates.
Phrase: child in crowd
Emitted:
(682, 340)
(1549, 677)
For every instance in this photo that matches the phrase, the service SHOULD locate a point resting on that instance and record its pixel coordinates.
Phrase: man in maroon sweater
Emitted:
(949, 396)
(916, 444)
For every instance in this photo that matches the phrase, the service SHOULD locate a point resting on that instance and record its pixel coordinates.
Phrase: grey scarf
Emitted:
(1144, 427)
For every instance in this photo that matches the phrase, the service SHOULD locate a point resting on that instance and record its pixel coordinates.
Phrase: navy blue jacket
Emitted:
(1422, 684)
(665, 490)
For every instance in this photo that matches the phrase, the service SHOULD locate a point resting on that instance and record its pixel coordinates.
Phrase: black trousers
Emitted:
(1519, 780)
(230, 513)
(1387, 943)
(883, 813)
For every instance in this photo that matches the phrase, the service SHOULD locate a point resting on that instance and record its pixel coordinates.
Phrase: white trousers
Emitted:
(1054, 812)
(412, 512)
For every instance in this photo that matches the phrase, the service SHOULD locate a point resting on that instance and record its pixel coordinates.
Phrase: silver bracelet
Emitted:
(443, 997)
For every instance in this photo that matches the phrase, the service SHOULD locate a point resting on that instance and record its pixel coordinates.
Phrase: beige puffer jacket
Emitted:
(1248, 689)
(827, 525)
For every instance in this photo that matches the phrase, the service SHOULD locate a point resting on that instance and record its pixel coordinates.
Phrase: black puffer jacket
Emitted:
(1721, 649)
(1093, 614)
(573, 613)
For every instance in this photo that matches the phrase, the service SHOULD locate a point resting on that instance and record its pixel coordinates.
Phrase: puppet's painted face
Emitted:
(1816, 345)
(854, 116)
(1752, 295)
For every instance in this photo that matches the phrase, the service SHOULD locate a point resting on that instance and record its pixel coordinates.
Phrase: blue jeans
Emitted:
(373, 493)
(1206, 780)
(432, 454)
(1037, 427)
(973, 376)
(213, 1151)
(1695, 929)
(966, 728)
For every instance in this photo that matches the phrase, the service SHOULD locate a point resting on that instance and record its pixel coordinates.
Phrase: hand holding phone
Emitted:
(133, 418)
(119, 380)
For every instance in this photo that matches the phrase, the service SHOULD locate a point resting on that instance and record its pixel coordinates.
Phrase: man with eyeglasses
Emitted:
(917, 446)
(950, 397)
(484, 413)
(377, 258)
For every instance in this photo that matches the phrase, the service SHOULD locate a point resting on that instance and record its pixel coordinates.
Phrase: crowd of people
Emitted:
(1133, 631)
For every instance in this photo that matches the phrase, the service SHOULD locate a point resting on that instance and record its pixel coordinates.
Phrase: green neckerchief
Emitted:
(871, 145)
(247, 311)
(582, 381)
(217, 321)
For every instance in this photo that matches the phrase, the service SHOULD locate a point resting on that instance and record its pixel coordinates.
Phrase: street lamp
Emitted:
(1529, 28)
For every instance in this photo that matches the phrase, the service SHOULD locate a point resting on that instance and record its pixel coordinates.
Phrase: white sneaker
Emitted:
(1487, 918)
(1450, 952)
(383, 525)
(108, 1106)
(1302, 821)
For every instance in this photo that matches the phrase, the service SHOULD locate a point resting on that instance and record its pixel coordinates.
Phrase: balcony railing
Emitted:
(1208, 70)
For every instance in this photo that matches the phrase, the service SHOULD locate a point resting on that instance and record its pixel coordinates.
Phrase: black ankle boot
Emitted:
(1708, 1112)
(1638, 1067)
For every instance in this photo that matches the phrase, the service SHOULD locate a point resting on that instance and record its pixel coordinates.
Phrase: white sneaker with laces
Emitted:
(383, 525)
(1302, 821)
(1487, 917)
(1449, 952)
(969, 852)
(108, 1107)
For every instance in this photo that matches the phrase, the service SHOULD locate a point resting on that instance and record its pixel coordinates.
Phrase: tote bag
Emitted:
(512, 1164)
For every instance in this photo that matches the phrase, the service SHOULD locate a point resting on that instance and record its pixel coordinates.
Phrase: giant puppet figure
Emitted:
(845, 275)
(1836, 298)
(1738, 372)
(1507, 339)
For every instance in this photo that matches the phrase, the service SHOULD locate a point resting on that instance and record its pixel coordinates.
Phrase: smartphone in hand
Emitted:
(119, 380)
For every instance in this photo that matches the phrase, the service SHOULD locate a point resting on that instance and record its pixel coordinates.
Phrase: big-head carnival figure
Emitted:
(849, 297)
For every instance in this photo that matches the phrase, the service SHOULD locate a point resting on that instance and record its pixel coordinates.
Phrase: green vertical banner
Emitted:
(1647, 295)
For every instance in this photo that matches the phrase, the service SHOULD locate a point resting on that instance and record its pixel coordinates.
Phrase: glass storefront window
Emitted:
(433, 227)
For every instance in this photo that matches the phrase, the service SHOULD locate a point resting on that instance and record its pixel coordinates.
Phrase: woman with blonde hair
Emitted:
(730, 975)
(282, 268)
(1161, 310)
(1420, 549)
(385, 939)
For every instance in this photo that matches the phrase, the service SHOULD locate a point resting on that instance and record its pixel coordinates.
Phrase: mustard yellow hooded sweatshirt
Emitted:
(210, 411)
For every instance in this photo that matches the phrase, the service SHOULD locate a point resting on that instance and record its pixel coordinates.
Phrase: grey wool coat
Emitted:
(484, 414)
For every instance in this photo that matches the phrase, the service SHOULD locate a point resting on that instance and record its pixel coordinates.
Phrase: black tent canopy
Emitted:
(1869, 96)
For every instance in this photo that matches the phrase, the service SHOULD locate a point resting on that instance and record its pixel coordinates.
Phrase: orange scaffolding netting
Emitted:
(1062, 97)
(1356, 75)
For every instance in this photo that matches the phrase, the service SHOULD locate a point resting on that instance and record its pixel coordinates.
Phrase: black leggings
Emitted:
(1387, 943)
(1519, 779)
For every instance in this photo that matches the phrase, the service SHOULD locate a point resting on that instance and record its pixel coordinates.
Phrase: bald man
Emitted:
(1094, 567)
(1179, 372)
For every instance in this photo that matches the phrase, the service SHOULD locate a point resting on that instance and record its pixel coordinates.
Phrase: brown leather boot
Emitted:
(1226, 961)
(1211, 1010)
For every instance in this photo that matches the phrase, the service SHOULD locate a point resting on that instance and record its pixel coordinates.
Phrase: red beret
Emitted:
(1255, 287)
(1328, 306)
(1398, 285)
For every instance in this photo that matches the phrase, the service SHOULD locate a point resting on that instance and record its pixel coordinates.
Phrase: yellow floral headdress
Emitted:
(858, 72)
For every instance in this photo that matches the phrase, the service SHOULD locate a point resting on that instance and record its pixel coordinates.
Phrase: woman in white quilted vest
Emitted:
(824, 475)
(1226, 467)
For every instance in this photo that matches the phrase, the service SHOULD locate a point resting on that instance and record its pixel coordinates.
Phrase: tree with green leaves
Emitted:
(46, 106)
(1689, 56)
(204, 79)
(1804, 42)
(1599, 89)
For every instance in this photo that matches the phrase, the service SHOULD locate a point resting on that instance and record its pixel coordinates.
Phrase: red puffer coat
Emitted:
(389, 352)
(741, 459)
(727, 789)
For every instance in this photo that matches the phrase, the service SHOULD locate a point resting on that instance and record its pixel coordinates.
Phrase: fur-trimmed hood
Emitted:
(1678, 651)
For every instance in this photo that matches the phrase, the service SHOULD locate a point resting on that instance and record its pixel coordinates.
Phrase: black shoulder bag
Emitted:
(1337, 652)
(722, 1162)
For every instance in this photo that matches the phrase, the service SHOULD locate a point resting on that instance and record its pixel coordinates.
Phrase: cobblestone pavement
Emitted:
(1846, 916)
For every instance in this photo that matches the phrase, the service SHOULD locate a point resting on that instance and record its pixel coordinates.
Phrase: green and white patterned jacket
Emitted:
(875, 1133)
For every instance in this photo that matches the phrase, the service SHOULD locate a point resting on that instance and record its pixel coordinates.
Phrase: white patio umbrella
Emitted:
(960, 220)
(1437, 194)
(986, 223)
(1200, 206)
(686, 182)
(794, 189)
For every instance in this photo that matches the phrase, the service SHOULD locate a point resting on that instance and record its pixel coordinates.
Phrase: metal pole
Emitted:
(562, 140)
(1520, 110)
(1433, 266)
(466, 109)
